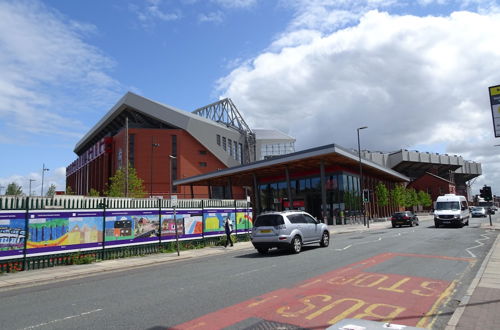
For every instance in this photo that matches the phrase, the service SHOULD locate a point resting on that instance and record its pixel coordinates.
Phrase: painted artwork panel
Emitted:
(168, 224)
(47, 232)
(214, 220)
(12, 234)
(193, 224)
(244, 221)
(84, 230)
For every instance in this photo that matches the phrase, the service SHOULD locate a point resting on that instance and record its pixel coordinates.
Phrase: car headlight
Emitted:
(457, 216)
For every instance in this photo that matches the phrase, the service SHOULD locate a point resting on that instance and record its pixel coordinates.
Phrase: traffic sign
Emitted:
(173, 200)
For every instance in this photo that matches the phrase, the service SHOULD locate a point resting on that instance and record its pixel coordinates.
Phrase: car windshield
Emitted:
(477, 209)
(447, 206)
(269, 220)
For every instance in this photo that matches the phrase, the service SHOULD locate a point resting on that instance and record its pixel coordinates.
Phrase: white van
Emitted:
(451, 209)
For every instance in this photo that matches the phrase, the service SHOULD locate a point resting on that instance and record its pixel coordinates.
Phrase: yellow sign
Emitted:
(495, 90)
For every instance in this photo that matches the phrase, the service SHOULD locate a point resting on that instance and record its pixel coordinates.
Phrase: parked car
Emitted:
(478, 211)
(288, 229)
(405, 218)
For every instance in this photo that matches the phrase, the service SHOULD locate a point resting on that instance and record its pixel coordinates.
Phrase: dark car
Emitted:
(405, 218)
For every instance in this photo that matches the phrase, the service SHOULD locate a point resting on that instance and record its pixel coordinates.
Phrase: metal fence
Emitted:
(27, 207)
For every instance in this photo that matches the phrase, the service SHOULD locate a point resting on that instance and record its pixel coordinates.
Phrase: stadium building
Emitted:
(164, 143)
(212, 153)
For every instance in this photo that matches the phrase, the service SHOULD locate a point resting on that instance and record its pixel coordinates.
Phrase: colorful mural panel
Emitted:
(47, 232)
(84, 230)
(244, 221)
(214, 220)
(168, 224)
(12, 234)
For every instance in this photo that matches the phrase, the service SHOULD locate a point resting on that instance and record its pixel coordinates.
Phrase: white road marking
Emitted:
(250, 271)
(485, 237)
(345, 248)
(63, 319)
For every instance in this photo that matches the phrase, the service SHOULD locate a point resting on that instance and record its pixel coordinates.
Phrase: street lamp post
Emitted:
(31, 180)
(172, 157)
(361, 179)
(43, 174)
(153, 145)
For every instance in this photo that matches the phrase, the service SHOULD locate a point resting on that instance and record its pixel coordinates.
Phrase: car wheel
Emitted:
(436, 224)
(262, 250)
(393, 226)
(411, 223)
(325, 240)
(296, 244)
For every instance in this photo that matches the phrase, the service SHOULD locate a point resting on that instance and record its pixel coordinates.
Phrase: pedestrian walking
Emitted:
(227, 228)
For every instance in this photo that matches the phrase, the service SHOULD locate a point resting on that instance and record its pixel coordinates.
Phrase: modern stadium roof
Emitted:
(330, 155)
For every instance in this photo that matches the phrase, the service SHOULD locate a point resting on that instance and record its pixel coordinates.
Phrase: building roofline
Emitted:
(313, 152)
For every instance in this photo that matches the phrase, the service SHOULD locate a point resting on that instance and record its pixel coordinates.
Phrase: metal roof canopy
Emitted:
(331, 155)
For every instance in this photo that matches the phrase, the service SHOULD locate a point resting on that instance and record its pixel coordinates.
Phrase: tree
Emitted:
(117, 187)
(382, 194)
(398, 195)
(52, 191)
(411, 198)
(424, 198)
(69, 191)
(93, 193)
(13, 189)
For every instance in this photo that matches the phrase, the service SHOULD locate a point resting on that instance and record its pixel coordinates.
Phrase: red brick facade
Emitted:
(433, 185)
(152, 163)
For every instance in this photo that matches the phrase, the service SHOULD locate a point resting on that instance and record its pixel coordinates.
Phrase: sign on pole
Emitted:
(173, 200)
(495, 108)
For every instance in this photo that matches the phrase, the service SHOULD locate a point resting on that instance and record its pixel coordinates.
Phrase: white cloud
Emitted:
(236, 3)
(412, 80)
(151, 11)
(213, 17)
(55, 176)
(41, 64)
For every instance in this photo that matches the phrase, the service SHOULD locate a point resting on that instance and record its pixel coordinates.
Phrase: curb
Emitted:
(455, 318)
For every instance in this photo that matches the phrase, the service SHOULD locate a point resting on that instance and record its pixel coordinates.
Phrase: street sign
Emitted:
(495, 108)
(173, 200)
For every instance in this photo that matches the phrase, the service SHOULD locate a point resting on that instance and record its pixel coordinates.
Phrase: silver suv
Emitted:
(288, 229)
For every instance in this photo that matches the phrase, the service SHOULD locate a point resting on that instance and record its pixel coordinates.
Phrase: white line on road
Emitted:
(63, 319)
(345, 248)
(250, 271)
(485, 237)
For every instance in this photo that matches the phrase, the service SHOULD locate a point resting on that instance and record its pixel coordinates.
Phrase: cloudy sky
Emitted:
(415, 72)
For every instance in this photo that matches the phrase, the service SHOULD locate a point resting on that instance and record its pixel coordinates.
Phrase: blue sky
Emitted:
(415, 72)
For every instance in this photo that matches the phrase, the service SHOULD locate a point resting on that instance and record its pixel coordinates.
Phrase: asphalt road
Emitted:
(413, 275)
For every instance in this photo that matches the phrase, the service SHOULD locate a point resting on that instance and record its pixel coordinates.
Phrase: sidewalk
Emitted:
(478, 308)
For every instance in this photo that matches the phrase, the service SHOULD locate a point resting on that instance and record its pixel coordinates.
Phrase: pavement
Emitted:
(478, 309)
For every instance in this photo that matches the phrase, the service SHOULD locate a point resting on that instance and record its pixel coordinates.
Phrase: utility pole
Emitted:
(43, 174)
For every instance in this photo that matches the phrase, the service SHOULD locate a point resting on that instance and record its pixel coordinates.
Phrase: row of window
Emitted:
(234, 148)
(276, 149)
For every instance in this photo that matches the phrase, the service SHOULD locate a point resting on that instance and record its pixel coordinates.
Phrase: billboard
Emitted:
(495, 108)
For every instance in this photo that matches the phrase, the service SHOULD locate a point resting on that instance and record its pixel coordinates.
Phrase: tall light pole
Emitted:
(31, 180)
(361, 179)
(153, 146)
(172, 157)
(43, 174)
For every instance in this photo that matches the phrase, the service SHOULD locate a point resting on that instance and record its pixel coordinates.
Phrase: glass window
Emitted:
(316, 184)
(203, 164)
(224, 143)
(230, 146)
(309, 219)
(218, 139)
(269, 220)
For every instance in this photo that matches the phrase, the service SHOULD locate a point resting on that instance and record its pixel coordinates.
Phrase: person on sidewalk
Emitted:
(227, 228)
